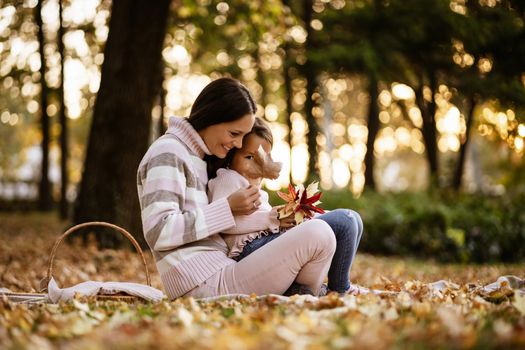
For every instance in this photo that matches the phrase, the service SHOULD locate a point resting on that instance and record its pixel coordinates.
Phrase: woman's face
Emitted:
(243, 159)
(220, 138)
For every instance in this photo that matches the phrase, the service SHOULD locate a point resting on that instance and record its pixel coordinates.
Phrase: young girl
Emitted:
(255, 230)
(263, 226)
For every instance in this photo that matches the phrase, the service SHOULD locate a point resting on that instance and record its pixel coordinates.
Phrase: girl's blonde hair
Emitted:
(261, 129)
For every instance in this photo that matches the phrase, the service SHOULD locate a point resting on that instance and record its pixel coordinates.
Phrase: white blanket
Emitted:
(89, 288)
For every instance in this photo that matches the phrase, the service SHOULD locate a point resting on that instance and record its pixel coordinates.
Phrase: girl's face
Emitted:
(220, 138)
(243, 159)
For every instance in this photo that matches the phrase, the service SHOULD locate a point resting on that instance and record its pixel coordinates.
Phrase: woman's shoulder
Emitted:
(168, 144)
(166, 150)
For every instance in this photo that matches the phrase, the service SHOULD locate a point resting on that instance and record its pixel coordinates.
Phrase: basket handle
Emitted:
(44, 283)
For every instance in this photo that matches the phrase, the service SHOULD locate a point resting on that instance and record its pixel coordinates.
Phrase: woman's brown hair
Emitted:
(221, 101)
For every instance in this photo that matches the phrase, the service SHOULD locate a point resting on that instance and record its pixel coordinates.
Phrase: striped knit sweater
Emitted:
(179, 224)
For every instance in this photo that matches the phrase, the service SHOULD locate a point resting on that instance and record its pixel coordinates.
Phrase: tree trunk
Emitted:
(122, 117)
(373, 125)
(460, 166)
(161, 127)
(429, 130)
(44, 190)
(310, 75)
(64, 178)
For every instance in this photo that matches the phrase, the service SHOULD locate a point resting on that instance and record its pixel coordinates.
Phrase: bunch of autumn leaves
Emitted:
(299, 201)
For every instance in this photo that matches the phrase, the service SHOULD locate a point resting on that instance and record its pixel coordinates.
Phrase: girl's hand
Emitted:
(245, 201)
(287, 222)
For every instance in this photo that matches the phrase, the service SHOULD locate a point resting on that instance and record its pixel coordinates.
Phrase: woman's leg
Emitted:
(302, 253)
(348, 228)
(295, 288)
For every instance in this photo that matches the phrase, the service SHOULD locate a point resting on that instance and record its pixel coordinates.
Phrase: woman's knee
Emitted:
(320, 233)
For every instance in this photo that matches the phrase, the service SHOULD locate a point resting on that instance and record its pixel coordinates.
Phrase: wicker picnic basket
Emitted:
(19, 297)
(123, 297)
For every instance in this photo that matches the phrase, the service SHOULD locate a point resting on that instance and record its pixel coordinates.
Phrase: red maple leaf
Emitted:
(291, 196)
(307, 204)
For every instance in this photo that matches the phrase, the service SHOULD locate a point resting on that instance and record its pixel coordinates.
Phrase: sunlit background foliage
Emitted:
(260, 42)
(390, 96)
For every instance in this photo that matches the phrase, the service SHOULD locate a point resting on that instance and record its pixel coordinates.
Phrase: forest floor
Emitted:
(456, 313)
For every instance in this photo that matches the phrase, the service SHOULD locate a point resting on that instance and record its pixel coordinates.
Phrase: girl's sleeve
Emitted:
(164, 187)
(226, 183)
(229, 181)
(262, 219)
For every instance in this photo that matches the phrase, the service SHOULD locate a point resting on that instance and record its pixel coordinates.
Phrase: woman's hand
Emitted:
(245, 201)
(287, 222)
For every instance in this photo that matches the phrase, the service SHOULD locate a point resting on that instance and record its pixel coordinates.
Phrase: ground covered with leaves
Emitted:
(455, 313)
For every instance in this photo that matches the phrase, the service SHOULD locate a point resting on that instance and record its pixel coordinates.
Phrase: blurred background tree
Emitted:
(391, 96)
(119, 133)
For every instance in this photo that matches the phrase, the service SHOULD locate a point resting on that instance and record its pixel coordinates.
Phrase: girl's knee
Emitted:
(350, 219)
(357, 219)
(358, 224)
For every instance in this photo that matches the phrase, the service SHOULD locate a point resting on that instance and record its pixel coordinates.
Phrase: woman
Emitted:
(182, 228)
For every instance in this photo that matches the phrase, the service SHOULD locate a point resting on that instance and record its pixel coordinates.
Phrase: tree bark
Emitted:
(122, 117)
(310, 76)
(64, 176)
(44, 189)
(460, 166)
(373, 125)
(161, 127)
(429, 129)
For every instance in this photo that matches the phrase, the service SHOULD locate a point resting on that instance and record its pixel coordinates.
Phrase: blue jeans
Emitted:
(348, 229)
(256, 244)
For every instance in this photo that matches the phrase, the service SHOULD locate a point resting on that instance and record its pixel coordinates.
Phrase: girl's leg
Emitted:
(255, 244)
(348, 228)
(302, 253)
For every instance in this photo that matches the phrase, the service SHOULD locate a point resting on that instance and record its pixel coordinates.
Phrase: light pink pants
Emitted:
(302, 254)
